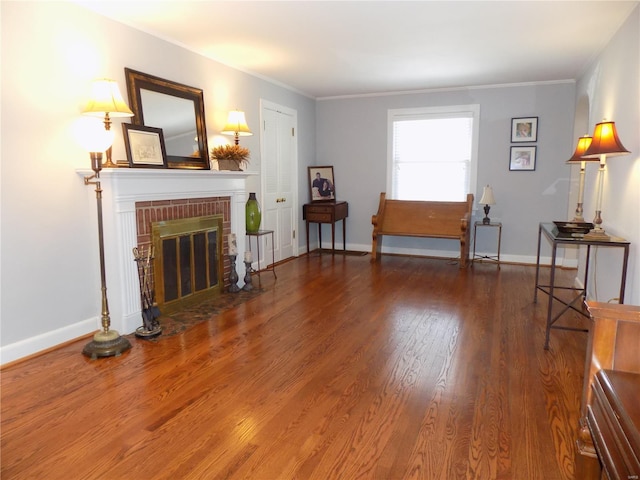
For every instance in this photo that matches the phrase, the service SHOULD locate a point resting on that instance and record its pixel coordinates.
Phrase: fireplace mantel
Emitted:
(122, 188)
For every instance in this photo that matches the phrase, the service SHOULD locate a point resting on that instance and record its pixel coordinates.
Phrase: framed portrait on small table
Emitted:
(322, 186)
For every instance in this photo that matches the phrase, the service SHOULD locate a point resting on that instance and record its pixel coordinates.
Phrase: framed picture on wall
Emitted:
(522, 158)
(322, 187)
(524, 129)
(144, 146)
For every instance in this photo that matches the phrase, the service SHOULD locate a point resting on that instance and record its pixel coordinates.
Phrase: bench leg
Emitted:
(375, 248)
(464, 254)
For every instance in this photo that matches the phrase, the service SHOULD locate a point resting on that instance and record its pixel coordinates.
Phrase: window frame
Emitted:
(418, 113)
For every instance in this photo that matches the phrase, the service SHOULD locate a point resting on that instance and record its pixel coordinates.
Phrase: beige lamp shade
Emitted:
(487, 196)
(605, 142)
(106, 99)
(236, 125)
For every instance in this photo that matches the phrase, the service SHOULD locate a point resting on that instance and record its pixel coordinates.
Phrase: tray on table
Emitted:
(573, 229)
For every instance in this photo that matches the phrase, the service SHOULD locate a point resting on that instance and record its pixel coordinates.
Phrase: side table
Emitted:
(257, 235)
(327, 212)
(495, 258)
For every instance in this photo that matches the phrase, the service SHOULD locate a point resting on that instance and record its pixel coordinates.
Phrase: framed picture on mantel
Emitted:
(321, 184)
(144, 146)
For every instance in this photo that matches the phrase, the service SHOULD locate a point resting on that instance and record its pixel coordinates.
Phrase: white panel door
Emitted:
(279, 171)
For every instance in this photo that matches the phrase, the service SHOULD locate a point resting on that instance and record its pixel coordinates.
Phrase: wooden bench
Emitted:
(409, 218)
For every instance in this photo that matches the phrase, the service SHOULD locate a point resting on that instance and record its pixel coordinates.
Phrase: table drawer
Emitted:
(320, 208)
(319, 217)
(612, 418)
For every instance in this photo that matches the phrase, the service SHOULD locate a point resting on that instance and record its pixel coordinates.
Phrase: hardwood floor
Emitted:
(342, 369)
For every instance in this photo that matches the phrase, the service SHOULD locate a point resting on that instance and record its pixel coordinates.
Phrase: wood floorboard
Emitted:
(409, 368)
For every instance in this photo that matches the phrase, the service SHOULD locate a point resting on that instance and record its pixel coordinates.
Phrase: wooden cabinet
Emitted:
(613, 417)
(613, 344)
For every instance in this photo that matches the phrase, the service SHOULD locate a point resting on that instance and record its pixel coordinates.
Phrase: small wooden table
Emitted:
(327, 212)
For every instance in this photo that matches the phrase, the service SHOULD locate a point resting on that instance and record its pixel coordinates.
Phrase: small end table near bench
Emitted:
(495, 258)
(327, 212)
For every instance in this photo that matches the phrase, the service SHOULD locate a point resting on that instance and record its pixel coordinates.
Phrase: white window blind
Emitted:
(433, 153)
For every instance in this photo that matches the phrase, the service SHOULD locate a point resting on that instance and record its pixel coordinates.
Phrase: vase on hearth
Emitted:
(253, 215)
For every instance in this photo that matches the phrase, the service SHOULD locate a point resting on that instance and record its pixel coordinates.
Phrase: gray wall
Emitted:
(352, 136)
(51, 51)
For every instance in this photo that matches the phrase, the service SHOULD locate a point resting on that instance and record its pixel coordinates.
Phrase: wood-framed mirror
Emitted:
(175, 108)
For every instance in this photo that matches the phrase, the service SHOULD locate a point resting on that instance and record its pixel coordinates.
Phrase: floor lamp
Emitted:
(605, 143)
(581, 148)
(106, 99)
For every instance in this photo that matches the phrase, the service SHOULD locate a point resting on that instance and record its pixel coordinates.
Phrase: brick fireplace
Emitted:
(133, 197)
(188, 214)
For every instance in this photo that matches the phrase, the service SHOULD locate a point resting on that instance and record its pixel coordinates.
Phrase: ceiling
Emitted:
(338, 48)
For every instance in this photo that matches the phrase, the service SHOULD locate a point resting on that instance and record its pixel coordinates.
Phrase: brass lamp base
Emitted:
(106, 344)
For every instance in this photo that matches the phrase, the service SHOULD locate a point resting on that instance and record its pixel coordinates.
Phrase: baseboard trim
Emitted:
(38, 344)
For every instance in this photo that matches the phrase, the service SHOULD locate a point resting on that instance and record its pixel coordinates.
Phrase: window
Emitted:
(433, 153)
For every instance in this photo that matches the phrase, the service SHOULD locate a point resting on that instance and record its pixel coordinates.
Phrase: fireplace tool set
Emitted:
(150, 312)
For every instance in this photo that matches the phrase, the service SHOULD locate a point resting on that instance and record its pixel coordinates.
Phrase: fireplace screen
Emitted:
(188, 263)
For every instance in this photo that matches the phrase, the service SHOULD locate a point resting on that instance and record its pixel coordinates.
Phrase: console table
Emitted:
(550, 232)
(327, 212)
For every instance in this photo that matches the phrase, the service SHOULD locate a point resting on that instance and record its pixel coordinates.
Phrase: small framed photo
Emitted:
(524, 129)
(144, 146)
(522, 158)
(321, 184)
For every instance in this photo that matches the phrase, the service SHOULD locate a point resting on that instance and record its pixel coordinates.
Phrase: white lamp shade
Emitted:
(487, 196)
(236, 125)
(106, 98)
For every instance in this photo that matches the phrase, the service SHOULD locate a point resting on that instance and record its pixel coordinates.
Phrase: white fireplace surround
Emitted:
(122, 188)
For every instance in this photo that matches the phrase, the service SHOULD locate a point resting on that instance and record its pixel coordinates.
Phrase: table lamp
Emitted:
(605, 143)
(486, 200)
(581, 148)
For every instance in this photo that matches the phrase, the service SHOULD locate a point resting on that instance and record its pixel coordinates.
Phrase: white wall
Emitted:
(611, 87)
(352, 136)
(51, 51)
